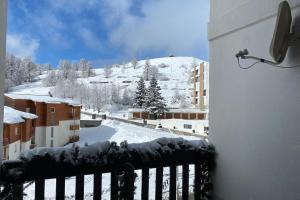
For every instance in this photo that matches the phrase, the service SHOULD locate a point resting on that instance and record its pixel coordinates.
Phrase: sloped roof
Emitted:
(45, 99)
(13, 116)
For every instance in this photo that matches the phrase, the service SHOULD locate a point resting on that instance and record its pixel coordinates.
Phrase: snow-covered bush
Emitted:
(108, 72)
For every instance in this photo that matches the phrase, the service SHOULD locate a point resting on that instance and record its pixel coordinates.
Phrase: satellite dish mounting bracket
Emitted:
(294, 37)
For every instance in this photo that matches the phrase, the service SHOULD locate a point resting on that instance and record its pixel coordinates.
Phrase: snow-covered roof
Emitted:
(43, 98)
(12, 116)
(173, 110)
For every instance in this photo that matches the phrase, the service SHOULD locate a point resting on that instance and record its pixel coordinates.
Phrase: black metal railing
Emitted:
(120, 161)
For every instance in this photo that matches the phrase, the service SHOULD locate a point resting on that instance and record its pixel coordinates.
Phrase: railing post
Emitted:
(17, 192)
(159, 183)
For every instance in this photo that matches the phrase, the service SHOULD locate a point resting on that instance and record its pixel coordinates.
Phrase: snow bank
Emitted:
(105, 156)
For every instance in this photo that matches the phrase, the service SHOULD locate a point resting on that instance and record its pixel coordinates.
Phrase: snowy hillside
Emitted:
(173, 72)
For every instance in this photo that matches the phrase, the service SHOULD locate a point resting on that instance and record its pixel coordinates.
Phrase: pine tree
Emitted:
(155, 103)
(140, 94)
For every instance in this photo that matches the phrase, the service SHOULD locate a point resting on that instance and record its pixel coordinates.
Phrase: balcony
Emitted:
(121, 162)
(74, 127)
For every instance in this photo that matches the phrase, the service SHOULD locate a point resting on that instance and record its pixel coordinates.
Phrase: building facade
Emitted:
(254, 114)
(188, 114)
(58, 119)
(200, 81)
(18, 130)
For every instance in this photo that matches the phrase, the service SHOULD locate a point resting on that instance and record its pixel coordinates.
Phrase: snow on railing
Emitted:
(120, 160)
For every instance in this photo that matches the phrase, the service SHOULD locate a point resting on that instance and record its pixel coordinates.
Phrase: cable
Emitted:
(248, 67)
(263, 61)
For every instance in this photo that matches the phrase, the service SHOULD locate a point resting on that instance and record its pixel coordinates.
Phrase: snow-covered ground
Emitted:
(113, 131)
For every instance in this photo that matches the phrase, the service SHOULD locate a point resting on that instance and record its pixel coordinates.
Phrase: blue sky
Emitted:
(107, 31)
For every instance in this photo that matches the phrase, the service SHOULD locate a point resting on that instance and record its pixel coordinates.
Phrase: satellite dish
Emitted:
(284, 36)
(280, 40)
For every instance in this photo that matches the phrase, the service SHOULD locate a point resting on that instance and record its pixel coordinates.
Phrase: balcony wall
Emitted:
(254, 114)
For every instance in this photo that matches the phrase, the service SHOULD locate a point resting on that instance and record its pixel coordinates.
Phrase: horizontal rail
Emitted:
(108, 157)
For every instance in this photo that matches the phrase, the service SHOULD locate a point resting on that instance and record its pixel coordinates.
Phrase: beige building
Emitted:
(200, 81)
(58, 119)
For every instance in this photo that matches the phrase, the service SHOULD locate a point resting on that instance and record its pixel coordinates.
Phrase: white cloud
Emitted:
(89, 38)
(22, 46)
(172, 26)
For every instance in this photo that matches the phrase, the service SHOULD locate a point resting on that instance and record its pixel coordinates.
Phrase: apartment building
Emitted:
(200, 80)
(58, 119)
(18, 131)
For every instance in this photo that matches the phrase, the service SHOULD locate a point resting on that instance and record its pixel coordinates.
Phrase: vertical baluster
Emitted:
(114, 186)
(97, 186)
(39, 189)
(79, 190)
(159, 182)
(60, 188)
(172, 194)
(185, 182)
(197, 186)
(145, 184)
(17, 192)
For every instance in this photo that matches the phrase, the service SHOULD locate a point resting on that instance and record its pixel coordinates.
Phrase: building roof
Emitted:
(43, 98)
(13, 116)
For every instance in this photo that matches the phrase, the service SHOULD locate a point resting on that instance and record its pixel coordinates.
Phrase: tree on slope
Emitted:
(140, 94)
(155, 103)
(147, 70)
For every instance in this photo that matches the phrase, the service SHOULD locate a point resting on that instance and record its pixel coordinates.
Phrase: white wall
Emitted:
(3, 11)
(62, 133)
(14, 150)
(40, 136)
(25, 145)
(254, 114)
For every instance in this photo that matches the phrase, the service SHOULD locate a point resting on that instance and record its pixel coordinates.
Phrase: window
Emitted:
(187, 126)
(16, 148)
(52, 110)
(204, 92)
(52, 132)
(51, 143)
(206, 128)
(28, 110)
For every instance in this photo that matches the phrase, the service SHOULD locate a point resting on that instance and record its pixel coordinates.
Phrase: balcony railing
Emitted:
(120, 161)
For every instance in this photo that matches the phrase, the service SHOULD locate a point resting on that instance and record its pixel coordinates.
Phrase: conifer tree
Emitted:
(140, 94)
(155, 103)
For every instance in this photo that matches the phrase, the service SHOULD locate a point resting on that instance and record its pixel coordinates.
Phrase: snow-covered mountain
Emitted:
(174, 72)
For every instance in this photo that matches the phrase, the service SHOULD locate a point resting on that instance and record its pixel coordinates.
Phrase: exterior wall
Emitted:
(61, 133)
(25, 145)
(40, 136)
(14, 150)
(254, 114)
(179, 115)
(3, 12)
(200, 84)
